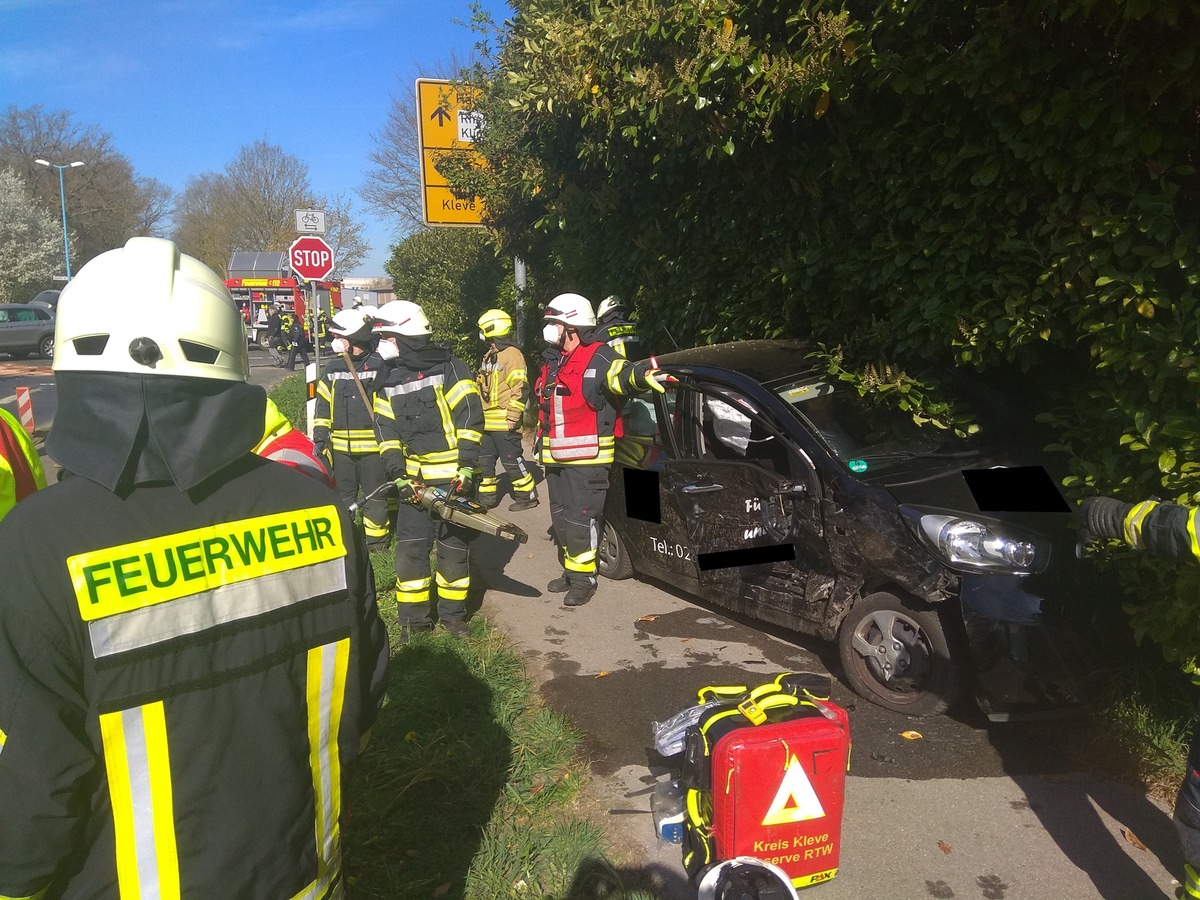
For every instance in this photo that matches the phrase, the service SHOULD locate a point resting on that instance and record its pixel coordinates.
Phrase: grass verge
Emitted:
(469, 788)
(1141, 729)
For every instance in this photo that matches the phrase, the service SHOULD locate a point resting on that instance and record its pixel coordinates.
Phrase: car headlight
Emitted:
(975, 543)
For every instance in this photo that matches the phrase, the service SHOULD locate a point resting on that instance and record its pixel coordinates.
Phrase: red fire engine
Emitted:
(256, 295)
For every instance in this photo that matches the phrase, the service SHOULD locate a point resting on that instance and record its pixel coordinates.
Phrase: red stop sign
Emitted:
(311, 258)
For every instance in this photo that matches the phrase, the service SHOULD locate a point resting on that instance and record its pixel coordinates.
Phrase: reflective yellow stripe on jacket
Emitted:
(138, 764)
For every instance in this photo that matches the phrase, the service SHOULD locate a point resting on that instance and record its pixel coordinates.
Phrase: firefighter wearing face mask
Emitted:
(344, 421)
(430, 425)
(579, 422)
(502, 385)
(190, 651)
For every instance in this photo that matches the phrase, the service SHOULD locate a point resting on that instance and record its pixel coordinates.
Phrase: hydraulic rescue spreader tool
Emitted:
(445, 505)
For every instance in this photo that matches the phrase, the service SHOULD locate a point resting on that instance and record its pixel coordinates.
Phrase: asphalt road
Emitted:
(970, 809)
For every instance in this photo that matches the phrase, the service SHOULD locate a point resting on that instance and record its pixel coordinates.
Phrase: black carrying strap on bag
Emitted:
(789, 696)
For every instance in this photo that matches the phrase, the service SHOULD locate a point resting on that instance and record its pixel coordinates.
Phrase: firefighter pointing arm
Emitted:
(430, 424)
(1171, 530)
(579, 424)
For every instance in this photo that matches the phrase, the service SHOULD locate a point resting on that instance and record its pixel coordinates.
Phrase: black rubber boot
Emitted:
(579, 594)
(559, 585)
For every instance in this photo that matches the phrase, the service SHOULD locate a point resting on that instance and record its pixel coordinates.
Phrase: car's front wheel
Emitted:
(46, 347)
(897, 655)
(264, 342)
(612, 558)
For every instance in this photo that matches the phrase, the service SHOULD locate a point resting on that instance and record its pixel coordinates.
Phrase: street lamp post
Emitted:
(62, 199)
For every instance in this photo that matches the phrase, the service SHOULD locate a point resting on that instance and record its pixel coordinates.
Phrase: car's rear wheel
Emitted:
(612, 558)
(46, 347)
(264, 342)
(897, 655)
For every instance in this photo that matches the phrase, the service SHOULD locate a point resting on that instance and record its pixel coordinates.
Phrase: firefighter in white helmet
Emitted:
(430, 425)
(190, 652)
(344, 420)
(579, 422)
(616, 327)
(503, 386)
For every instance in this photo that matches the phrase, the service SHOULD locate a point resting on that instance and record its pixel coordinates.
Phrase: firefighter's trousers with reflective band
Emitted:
(506, 447)
(577, 513)
(365, 470)
(416, 533)
(1187, 814)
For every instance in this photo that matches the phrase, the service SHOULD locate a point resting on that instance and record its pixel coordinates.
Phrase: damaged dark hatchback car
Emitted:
(942, 565)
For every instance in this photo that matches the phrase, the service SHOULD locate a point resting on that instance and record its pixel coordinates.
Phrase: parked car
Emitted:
(46, 299)
(26, 329)
(940, 564)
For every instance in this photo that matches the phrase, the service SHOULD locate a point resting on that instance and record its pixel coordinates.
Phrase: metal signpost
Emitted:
(311, 259)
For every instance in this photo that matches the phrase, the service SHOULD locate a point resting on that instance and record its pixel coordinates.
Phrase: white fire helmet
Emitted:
(401, 317)
(147, 309)
(746, 878)
(608, 304)
(573, 310)
(351, 324)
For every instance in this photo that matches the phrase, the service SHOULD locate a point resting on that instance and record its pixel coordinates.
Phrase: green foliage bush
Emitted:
(291, 395)
(1006, 186)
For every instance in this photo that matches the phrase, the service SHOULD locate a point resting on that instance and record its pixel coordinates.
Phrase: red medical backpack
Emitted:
(766, 778)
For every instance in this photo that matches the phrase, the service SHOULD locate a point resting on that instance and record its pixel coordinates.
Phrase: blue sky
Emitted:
(182, 86)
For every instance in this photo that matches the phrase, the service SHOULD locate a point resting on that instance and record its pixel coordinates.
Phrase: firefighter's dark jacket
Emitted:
(1164, 529)
(620, 334)
(340, 409)
(185, 679)
(430, 415)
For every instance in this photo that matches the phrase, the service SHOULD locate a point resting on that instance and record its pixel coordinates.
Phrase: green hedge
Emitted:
(1007, 186)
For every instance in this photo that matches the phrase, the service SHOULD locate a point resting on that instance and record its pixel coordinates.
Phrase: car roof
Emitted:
(761, 360)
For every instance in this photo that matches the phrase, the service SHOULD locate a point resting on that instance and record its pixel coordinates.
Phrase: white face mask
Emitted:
(552, 333)
(339, 345)
(387, 349)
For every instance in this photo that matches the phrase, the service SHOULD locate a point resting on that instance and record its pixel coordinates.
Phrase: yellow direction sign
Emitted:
(445, 129)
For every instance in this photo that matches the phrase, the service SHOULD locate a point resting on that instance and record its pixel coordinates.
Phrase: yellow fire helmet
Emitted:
(495, 323)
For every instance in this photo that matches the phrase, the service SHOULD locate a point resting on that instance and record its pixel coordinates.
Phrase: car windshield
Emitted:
(856, 429)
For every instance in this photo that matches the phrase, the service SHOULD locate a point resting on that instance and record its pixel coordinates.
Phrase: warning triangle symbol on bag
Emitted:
(795, 801)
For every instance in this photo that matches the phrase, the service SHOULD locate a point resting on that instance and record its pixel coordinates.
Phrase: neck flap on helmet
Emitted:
(121, 430)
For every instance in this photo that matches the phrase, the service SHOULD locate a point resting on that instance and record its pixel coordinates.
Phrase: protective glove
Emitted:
(1103, 517)
(464, 480)
(514, 424)
(653, 379)
(324, 453)
(406, 490)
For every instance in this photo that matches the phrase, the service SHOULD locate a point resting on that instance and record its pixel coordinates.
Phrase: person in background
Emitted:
(1171, 530)
(344, 421)
(282, 443)
(190, 652)
(275, 339)
(616, 328)
(503, 384)
(430, 425)
(578, 427)
(298, 342)
(21, 470)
